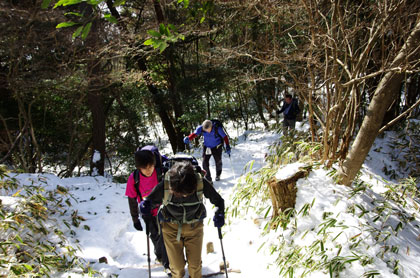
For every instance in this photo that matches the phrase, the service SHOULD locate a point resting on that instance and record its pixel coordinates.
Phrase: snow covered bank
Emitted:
(365, 232)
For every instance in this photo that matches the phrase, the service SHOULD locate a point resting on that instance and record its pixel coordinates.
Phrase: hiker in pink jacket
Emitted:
(139, 185)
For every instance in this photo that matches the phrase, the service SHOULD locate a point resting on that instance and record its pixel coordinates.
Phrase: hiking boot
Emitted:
(217, 178)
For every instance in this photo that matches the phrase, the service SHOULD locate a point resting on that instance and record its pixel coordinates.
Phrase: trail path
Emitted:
(108, 231)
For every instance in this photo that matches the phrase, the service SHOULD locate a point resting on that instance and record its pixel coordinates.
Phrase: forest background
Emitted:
(84, 79)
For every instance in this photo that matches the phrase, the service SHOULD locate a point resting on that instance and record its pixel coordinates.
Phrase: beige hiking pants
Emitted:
(191, 240)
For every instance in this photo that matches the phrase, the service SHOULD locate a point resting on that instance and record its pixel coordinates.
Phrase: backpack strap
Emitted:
(200, 186)
(159, 173)
(216, 125)
(167, 194)
(136, 176)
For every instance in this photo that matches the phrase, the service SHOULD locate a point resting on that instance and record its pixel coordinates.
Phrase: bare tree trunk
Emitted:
(242, 106)
(68, 172)
(37, 157)
(177, 102)
(394, 110)
(176, 135)
(96, 105)
(413, 90)
(258, 98)
(96, 100)
(30, 153)
(383, 97)
(160, 106)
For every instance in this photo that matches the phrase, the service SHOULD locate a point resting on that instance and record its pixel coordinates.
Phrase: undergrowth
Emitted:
(367, 231)
(289, 149)
(31, 241)
(403, 149)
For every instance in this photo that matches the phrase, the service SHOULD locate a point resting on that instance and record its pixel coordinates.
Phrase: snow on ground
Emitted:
(108, 230)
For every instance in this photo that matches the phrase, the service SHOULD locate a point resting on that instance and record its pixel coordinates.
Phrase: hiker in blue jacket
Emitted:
(290, 110)
(214, 137)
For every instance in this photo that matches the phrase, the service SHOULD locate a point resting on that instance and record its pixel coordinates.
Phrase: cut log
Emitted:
(283, 192)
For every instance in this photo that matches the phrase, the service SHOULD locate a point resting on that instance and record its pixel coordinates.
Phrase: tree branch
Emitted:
(399, 117)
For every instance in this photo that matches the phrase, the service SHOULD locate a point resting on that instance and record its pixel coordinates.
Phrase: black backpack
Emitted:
(160, 160)
(216, 124)
(169, 162)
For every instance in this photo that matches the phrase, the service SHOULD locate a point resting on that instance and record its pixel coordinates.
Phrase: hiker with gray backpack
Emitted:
(141, 182)
(214, 137)
(181, 214)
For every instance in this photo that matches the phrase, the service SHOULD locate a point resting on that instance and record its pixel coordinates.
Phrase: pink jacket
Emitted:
(146, 186)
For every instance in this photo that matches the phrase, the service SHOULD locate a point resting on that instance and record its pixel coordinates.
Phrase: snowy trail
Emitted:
(105, 228)
(108, 231)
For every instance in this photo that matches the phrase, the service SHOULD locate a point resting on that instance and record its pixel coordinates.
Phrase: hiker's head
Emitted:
(183, 179)
(288, 98)
(145, 162)
(207, 125)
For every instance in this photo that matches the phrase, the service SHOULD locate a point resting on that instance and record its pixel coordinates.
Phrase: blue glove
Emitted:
(187, 140)
(145, 207)
(228, 150)
(219, 219)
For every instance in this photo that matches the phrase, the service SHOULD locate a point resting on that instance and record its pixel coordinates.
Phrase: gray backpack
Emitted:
(191, 211)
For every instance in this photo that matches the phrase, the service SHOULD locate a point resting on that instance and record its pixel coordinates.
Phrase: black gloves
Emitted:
(137, 225)
(219, 219)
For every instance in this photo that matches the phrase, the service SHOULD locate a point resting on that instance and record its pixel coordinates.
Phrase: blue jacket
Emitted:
(211, 139)
(290, 111)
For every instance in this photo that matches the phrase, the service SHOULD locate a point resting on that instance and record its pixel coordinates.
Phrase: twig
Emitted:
(399, 117)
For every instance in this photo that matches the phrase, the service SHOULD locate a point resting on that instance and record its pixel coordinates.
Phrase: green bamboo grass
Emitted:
(32, 243)
(385, 216)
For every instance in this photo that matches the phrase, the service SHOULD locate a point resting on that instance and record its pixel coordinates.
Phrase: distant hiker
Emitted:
(181, 215)
(139, 185)
(290, 110)
(214, 136)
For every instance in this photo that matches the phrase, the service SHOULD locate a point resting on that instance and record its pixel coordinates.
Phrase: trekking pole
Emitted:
(219, 229)
(231, 166)
(148, 248)
(187, 148)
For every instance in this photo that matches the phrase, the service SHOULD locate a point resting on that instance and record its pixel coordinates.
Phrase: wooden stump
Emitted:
(210, 247)
(283, 192)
